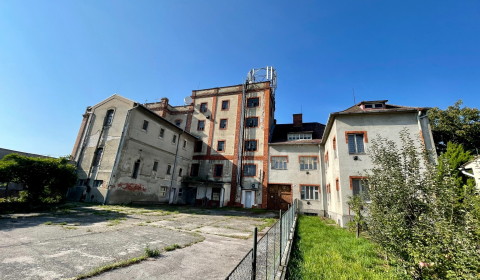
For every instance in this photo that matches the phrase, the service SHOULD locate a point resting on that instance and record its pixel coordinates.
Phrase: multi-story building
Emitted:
(125, 152)
(224, 148)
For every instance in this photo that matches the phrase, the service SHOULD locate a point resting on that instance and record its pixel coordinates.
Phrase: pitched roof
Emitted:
(281, 131)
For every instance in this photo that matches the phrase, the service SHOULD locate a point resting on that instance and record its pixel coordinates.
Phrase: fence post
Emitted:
(254, 256)
(281, 233)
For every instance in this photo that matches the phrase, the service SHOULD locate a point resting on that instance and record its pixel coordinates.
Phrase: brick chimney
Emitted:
(297, 120)
(164, 100)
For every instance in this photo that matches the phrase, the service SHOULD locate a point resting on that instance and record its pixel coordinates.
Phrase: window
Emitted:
(225, 105)
(169, 169)
(337, 186)
(252, 122)
(82, 182)
(180, 172)
(198, 147)
(201, 125)
(163, 191)
(97, 183)
(216, 194)
(309, 193)
(98, 156)
(195, 169)
(223, 123)
(249, 170)
(221, 146)
(178, 122)
(203, 107)
(145, 125)
(299, 136)
(360, 187)
(371, 106)
(162, 133)
(308, 163)
(355, 144)
(218, 170)
(279, 162)
(180, 192)
(329, 194)
(251, 145)
(136, 168)
(184, 144)
(253, 102)
(155, 165)
(326, 159)
(174, 139)
(109, 117)
(334, 147)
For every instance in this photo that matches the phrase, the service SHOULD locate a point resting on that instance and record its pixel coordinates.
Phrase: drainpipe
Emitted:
(84, 138)
(119, 151)
(175, 164)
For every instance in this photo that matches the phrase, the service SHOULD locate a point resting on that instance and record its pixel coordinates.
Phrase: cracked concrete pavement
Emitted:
(75, 240)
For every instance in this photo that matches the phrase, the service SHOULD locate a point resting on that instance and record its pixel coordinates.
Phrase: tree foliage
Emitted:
(357, 204)
(42, 177)
(415, 214)
(457, 125)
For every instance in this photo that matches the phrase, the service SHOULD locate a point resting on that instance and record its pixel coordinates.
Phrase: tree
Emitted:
(357, 204)
(412, 214)
(457, 125)
(41, 177)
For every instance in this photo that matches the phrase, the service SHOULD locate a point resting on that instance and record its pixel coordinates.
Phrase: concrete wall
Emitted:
(148, 147)
(295, 177)
(475, 167)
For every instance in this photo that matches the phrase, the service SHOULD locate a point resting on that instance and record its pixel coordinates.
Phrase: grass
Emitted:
(321, 251)
(47, 223)
(172, 247)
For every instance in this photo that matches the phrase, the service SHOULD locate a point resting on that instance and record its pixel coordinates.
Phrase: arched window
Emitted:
(136, 168)
(109, 117)
(98, 156)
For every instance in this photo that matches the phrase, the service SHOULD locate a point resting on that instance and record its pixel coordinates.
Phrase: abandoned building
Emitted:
(224, 148)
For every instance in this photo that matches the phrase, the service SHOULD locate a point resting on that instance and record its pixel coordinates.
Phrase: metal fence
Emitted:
(266, 256)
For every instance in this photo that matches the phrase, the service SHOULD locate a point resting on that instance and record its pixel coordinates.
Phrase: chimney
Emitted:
(164, 100)
(297, 120)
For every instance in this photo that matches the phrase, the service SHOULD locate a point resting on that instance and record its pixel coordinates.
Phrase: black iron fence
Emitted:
(269, 253)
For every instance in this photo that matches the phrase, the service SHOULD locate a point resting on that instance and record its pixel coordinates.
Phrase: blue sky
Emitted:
(58, 57)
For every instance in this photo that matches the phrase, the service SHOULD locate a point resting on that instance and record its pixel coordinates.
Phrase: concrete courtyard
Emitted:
(67, 242)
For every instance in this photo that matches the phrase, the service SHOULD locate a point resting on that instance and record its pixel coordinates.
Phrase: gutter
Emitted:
(119, 150)
(175, 165)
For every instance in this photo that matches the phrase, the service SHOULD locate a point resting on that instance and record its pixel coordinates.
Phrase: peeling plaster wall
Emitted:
(148, 147)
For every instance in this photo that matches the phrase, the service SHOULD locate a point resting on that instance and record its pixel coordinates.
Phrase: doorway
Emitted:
(279, 196)
(248, 199)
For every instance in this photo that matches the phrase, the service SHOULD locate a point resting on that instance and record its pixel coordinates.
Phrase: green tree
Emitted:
(455, 124)
(412, 214)
(357, 204)
(41, 177)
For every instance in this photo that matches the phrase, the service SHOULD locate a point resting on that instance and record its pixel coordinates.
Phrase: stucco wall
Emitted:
(475, 167)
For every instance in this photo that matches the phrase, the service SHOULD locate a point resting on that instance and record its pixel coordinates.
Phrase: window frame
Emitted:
(180, 192)
(273, 164)
(305, 191)
(206, 107)
(161, 133)
(301, 136)
(96, 185)
(174, 139)
(195, 147)
(198, 125)
(106, 117)
(245, 145)
(252, 117)
(249, 164)
(163, 190)
(215, 170)
(220, 124)
(224, 145)
(228, 105)
(314, 163)
(365, 140)
(253, 97)
(360, 179)
(191, 169)
(145, 128)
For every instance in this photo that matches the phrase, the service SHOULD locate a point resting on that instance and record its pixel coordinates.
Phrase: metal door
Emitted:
(248, 199)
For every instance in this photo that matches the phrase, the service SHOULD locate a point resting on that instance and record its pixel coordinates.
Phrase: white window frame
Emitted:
(361, 187)
(299, 136)
(307, 191)
(163, 191)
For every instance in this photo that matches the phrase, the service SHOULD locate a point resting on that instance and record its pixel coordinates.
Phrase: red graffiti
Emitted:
(132, 187)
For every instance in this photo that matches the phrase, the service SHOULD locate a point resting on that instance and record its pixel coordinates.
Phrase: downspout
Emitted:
(119, 151)
(84, 139)
(175, 164)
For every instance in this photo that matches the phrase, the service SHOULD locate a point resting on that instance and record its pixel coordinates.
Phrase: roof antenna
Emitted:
(354, 96)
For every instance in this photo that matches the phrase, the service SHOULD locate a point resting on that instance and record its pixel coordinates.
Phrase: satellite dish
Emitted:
(188, 100)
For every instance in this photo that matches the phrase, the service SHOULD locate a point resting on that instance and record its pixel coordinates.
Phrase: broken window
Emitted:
(98, 156)
(201, 125)
(221, 146)
(252, 122)
(203, 107)
(253, 102)
(109, 117)
(136, 168)
(223, 123)
(251, 145)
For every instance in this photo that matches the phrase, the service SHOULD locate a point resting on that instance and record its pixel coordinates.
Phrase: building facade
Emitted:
(224, 148)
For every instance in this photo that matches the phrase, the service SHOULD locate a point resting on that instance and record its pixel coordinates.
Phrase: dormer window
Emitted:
(373, 106)
(299, 136)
